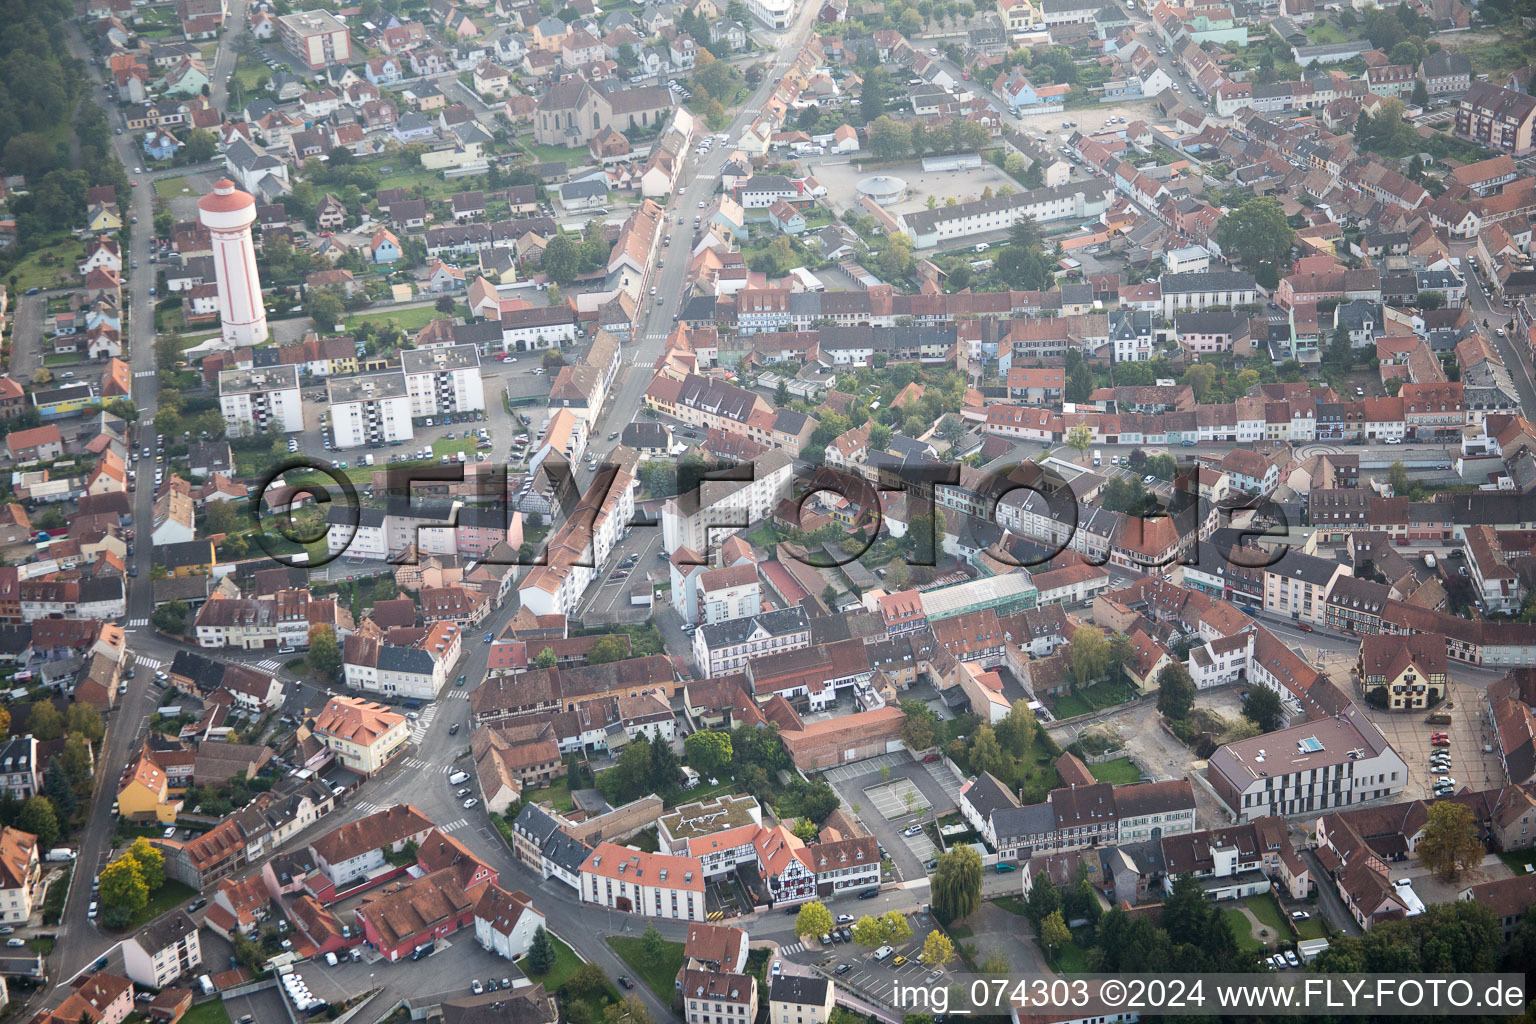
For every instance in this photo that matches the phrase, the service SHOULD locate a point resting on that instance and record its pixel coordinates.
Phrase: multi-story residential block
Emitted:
(1231, 863)
(261, 401)
(444, 380)
(581, 544)
(1075, 200)
(1307, 768)
(1297, 586)
(1225, 289)
(717, 509)
(1496, 117)
(419, 671)
(713, 997)
(101, 998)
(721, 647)
(365, 736)
(20, 774)
(1498, 587)
(775, 14)
(163, 950)
(20, 870)
(799, 999)
(315, 38)
(650, 884)
(370, 409)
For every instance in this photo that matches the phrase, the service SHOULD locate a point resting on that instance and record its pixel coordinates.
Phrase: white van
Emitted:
(883, 953)
(330, 959)
(458, 777)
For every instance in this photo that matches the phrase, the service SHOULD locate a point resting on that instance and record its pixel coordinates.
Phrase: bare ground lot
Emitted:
(840, 177)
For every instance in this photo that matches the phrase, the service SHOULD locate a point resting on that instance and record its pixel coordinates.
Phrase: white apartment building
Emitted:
(721, 647)
(1213, 288)
(316, 38)
(443, 380)
(369, 409)
(1307, 768)
(163, 950)
(776, 14)
(651, 884)
(730, 593)
(261, 401)
(714, 997)
(20, 870)
(581, 545)
(718, 508)
(799, 999)
(1077, 200)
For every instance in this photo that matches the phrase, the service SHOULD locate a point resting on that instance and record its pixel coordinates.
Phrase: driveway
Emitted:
(27, 338)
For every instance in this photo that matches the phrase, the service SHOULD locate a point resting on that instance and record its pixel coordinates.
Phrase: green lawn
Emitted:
(1266, 909)
(406, 319)
(1325, 32)
(1242, 930)
(1072, 959)
(211, 1012)
(659, 977)
(61, 359)
(163, 899)
(557, 793)
(1012, 904)
(167, 187)
(1121, 772)
(1093, 698)
(442, 446)
(554, 154)
(1312, 927)
(566, 963)
(52, 266)
(1517, 860)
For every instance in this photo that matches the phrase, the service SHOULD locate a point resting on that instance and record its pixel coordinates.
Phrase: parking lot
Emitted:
(853, 783)
(1409, 733)
(848, 772)
(877, 980)
(896, 799)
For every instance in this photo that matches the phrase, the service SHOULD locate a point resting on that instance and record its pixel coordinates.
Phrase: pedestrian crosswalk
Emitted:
(453, 825)
(791, 949)
(269, 664)
(367, 806)
(147, 373)
(419, 730)
(656, 336)
(136, 623)
(426, 766)
(149, 663)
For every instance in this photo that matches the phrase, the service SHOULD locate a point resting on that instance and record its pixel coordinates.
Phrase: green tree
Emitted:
(325, 308)
(560, 259)
(84, 720)
(814, 919)
(1175, 691)
(1054, 934)
(707, 751)
(867, 932)
(938, 950)
(894, 261)
(1043, 900)
(606, 649)
(987, 754)
(1450, 844)
(1420, 95)
(541, 953)
(123, 889)
(167, 351)
(1122, 654)
(1016, 732)
(888, 139)
(170, 617)
(1256, 233)
(996, 962)
(956, 883)
(629, 1010)
(628, 779)
(546, 659)
(1199, 377)
(919, 728)
(151, 862)
(652, 946)
(1079, 436)
(324, 652)
(894, 928)
(220, 516)
(1262, 707)
(1090, 654)
(1397, 476)
(44, 721)
(879, 437)
(199, 146)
